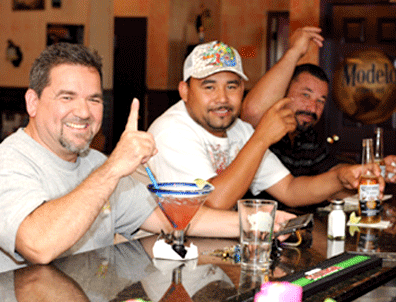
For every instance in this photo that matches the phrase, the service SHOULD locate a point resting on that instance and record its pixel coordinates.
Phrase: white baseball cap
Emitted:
(209, 58)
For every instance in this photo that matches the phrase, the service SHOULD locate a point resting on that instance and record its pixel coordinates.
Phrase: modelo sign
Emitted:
(365, 87)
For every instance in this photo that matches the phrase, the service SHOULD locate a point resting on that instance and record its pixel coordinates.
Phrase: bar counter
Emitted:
(127, 271)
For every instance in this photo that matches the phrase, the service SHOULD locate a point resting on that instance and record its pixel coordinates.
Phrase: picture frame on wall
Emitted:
(65, 33)
(56, 3)
(27, 4)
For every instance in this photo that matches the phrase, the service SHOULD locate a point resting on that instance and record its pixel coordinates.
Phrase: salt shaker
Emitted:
(336, 221)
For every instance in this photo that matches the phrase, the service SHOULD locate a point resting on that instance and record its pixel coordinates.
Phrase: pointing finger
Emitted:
(133, 117)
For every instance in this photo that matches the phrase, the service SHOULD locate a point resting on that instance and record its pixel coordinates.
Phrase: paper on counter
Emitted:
(351, 203)
(354, 199)
(383, 224)
(162, 250)
(166, 265)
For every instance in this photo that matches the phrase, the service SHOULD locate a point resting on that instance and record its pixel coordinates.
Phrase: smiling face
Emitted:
(214, 102)
(309, 98)
(69, 112)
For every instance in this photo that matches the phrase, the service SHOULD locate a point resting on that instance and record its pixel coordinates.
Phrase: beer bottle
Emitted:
(379, 150)
(369, 191)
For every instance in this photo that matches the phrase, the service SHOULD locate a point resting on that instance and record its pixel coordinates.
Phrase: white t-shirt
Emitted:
(187, 151)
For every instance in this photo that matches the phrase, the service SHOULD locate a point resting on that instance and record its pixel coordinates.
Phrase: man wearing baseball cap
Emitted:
(201, 136)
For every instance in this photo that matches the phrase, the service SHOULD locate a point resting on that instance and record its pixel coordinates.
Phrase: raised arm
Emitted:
(58, 224)
(273, 84)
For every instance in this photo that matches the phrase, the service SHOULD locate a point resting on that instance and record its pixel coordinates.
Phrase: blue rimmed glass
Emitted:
(179, 202)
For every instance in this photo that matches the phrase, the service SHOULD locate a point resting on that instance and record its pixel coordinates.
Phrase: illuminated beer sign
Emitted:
(365, 87)
(375, 75)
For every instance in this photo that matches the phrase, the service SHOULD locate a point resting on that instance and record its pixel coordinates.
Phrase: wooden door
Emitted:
(130, 45)
(350, 26)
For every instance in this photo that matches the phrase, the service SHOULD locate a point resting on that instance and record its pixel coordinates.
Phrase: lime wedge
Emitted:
(353, 229)
(353, 219)
(201, 183)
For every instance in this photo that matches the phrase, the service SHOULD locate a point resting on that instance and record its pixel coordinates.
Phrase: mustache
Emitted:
(221, 107)
(309, 113)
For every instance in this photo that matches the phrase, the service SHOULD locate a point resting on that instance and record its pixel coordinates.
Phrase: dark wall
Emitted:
(159, 101)
(12, 99)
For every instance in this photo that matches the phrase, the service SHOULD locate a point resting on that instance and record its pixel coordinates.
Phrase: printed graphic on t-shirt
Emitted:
(221, 157)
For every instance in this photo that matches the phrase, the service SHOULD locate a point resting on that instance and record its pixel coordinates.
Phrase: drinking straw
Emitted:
(155, 184)
(151, 176)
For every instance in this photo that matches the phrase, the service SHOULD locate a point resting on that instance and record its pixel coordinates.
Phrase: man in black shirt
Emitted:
(305, 151)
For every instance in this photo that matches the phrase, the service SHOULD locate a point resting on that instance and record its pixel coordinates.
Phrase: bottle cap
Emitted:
(338, 201)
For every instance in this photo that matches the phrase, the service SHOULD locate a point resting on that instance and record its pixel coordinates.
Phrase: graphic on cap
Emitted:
(219, 55)
(207, 59)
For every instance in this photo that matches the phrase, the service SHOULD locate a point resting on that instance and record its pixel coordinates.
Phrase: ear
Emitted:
(183, 91)
(31, 99)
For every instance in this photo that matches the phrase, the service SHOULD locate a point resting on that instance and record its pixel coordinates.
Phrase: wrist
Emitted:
(293, 55)
(105, 178)
(340, 178)
(262, 142)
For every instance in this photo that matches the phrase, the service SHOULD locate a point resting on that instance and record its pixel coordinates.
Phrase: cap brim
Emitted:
(206, 73)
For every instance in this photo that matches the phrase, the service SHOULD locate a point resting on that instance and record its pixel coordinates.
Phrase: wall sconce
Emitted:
(14, 54)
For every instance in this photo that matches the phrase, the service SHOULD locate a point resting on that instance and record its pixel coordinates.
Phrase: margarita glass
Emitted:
(179, 202)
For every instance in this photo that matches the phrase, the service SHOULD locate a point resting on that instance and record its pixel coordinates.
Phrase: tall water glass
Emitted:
(256, 218)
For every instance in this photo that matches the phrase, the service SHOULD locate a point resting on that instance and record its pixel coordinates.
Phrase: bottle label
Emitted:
(370, 204)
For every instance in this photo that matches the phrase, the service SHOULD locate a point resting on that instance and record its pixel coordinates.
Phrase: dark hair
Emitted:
(312, 69)
(61, 53)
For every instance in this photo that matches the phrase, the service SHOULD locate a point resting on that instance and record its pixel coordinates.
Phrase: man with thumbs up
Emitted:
(58, 196)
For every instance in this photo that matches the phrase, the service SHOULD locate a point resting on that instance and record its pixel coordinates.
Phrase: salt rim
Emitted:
(180, 189)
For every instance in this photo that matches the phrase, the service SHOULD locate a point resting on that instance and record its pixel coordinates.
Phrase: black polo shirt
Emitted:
(308, 155)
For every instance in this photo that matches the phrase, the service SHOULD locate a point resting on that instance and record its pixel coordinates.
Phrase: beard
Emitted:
(301, 127)
(74, 148)
(219, 125)
(224, 126)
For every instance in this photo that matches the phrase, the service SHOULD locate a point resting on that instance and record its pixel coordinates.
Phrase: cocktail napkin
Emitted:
(166, 266)
(380, 225)
(162, 250)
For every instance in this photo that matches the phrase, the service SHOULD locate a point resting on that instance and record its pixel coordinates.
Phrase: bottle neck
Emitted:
(367, 156)
(379, 145)
(338, 207)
